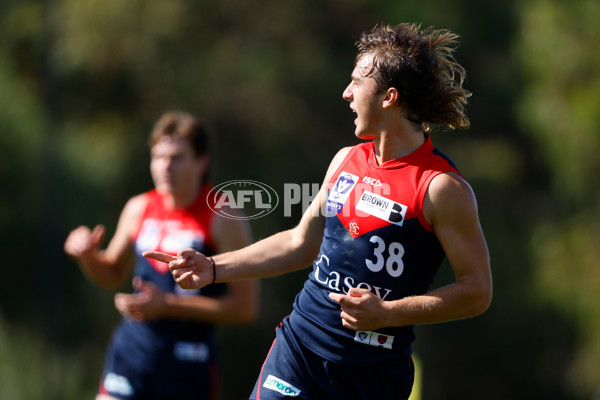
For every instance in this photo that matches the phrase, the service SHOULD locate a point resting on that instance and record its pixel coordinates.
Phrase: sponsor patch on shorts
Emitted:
(117, 384)
(191, 351)
(281, 386)
(374, 339)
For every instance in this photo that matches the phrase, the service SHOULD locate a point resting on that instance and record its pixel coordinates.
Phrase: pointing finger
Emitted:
(337, 297)
(159, 256)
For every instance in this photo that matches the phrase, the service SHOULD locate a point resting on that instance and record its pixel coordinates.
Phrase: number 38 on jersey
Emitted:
(388, 256)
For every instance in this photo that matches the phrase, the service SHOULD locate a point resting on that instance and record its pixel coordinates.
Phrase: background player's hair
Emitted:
(184, 125)
(421, 66)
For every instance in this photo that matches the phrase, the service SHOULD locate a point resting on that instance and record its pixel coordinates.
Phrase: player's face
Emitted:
(365, 100)
(174, 166)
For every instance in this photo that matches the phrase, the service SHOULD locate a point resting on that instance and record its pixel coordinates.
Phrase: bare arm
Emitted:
(108, 268)
(451, 208)
(283, 252)
(240, 303)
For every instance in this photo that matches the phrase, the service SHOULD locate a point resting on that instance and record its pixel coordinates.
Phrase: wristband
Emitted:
(213, 268)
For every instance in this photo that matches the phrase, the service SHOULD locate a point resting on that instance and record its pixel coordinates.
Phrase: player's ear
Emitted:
(203, 162)
(391, 97)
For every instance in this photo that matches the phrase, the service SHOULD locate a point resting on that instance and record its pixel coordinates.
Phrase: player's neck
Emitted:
(393, 145)
(180, 199)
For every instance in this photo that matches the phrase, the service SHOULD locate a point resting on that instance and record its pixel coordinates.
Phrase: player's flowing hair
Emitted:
(420, 64)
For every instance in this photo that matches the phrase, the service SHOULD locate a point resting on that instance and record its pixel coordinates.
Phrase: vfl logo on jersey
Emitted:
(381, 207)
(340, 192)
(374, 339)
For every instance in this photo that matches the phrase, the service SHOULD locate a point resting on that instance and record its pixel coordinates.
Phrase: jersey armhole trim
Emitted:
(341, 166)
(424, 187)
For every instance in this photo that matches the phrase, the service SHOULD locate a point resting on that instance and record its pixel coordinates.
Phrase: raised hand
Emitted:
(190, 269)
(82, 241)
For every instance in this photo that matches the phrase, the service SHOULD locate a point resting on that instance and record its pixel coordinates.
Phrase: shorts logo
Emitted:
(381, 207)
(281, 386)
(117, 384)
(374, 339)
(341, 190)
(190, 351)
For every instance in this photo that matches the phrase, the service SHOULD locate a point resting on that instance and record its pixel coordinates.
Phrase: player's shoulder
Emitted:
(232, 232)
(364, 148)
(343, 152)
(135, 206)
(341, 155)
(337, 160)
(449, 194)
(449, 185)
(139, 200)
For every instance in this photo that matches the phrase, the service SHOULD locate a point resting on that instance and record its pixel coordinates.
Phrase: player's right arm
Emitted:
(108, 268)
(278, 254)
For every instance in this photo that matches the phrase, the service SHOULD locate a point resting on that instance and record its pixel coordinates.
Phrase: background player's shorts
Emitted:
(124, 380)
(291, 370)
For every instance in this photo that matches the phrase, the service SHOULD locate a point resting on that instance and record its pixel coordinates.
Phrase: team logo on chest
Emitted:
(353, 228)
(382, 208)
(340, 192)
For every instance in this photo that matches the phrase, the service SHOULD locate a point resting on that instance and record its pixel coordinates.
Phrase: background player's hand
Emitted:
(82, 241)
(361, 310)
(147, 303)
(190, 269)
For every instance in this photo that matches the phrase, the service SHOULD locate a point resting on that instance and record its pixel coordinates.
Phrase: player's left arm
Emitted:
(451, 208)
(240, 303)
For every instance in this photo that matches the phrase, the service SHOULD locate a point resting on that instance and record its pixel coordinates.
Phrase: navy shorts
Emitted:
(123, 379)
(291, 370)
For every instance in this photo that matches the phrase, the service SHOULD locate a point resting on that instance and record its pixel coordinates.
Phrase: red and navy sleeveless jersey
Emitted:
(162, 228)
(376, 237)
(168, 230)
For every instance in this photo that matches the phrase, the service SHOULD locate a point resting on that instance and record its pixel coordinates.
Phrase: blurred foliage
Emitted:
(82, 82)
(560, 104)
(560, 108)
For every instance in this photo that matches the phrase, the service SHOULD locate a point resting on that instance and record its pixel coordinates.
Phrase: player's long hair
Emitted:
(421, 66)
(185, 126)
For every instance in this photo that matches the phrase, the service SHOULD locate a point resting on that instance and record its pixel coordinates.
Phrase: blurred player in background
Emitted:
(165, 346)
(390, 209)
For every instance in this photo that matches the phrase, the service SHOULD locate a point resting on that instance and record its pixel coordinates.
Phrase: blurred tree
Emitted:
(560, 108)
(81, 82)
